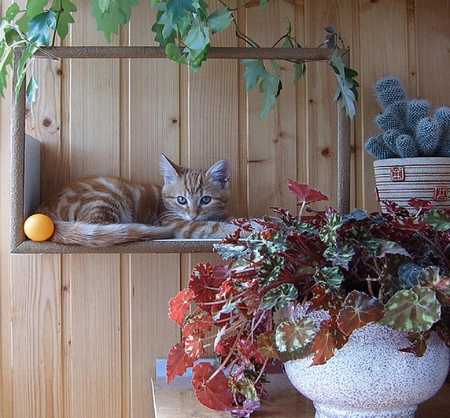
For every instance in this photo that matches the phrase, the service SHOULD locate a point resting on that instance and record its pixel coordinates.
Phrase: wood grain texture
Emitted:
(80, 332)
(36, 338)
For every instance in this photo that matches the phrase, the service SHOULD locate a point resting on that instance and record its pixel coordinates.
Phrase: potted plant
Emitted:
(299, 288)
(413, 149)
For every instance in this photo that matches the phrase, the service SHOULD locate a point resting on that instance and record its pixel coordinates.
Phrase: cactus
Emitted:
(408, 128)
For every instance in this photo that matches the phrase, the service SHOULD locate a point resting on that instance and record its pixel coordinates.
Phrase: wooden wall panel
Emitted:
(36, 336)
(85, 330)
(379, 57)
(6, 377)
(433, 45)
(271, 143)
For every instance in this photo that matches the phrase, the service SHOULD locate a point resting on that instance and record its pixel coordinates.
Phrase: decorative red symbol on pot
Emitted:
(441, 193)
(397, 173)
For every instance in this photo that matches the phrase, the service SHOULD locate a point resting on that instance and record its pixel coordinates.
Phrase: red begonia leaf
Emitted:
(360, 309)
(213, 393)
(420, 204)
(324, 343)
(305, 193)
(193, 346)
(179, 305)
(205, 281)
(200, 321)
(266, 344)
(177, 362)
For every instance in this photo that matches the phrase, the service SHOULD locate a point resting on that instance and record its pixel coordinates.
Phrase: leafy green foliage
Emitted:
(269, 84)
(327, 274)
(186, 25)
(33, 28)
(347, 85)
(111, 14)
(412, 310)
(290, 335)
(183, 27)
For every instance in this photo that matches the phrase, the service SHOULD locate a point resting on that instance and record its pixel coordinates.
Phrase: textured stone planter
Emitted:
(370, 378)
(400, 179)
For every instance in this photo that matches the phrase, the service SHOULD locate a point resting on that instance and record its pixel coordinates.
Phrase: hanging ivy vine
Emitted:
(183, 27)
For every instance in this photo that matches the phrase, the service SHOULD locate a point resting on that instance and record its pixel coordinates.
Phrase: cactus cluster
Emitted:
(408, 128)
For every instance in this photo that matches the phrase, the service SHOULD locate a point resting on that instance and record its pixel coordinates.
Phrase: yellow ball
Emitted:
(38, 227)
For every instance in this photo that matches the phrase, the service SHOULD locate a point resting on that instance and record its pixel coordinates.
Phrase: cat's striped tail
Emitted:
(105, 235)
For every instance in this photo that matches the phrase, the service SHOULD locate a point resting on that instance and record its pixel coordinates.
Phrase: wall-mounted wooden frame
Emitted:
(19, 243)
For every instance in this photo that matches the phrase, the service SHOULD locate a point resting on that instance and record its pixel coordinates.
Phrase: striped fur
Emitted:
(106, 210)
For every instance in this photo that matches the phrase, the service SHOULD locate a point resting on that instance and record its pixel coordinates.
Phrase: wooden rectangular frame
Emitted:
(19, 243)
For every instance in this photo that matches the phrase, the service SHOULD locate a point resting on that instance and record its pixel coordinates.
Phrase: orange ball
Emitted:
(38, 227)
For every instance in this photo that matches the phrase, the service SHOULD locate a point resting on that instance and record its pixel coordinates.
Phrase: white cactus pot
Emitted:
(370, 377)
(400, 179)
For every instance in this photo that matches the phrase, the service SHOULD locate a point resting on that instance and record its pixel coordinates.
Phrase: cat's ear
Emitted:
(169, 170)
(220, 173)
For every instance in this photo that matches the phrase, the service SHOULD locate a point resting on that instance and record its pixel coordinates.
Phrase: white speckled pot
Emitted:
(370, 378)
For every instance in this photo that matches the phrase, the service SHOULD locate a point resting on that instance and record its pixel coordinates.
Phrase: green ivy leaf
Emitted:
(178, 8)
(40, 28)
(197, 44)
(346, 90)
(291, 335)
(173, 52)
(255, 70)
(27, 54)
(35, 7)
(269, 84)
(65, 17)
(300, 71)
(220, 20)
(31, 91)
(117, 14)
(6, 54)
(412, 310)
(104, 5)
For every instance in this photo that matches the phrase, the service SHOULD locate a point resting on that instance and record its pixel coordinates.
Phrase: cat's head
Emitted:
(191, 194)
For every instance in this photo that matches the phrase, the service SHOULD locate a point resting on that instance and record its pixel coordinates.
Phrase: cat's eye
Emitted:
(181, 200)
(205, 200)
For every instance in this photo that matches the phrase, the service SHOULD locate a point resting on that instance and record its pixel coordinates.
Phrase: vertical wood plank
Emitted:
(6, 376)
(94, 337)
(95, 341)
(433, 44)
(272, 142)
(321, 85)
(379, 56)
(36, 348)
(154, 279)
(151, 127)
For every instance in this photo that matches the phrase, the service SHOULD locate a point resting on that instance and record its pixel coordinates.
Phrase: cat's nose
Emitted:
(193, 215)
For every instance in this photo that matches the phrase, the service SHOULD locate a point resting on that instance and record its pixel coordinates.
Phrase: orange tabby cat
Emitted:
(103, 211)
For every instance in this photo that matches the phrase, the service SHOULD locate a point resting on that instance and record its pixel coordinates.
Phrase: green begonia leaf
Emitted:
(412, 310)
(279, 296)
(291, 335)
